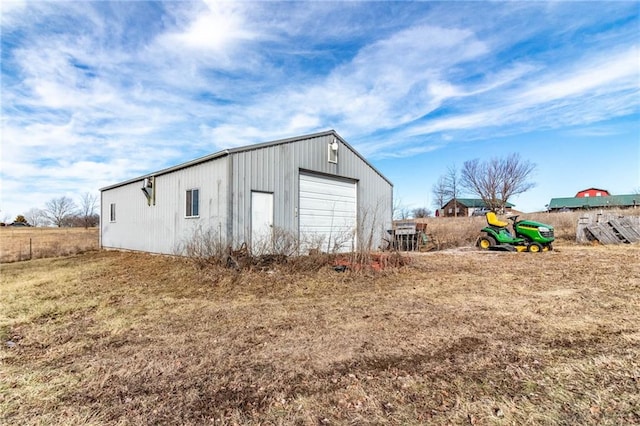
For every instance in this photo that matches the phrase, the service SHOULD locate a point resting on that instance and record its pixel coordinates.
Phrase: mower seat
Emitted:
(493, 220)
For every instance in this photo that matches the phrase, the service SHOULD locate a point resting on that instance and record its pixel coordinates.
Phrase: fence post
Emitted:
(30, 251)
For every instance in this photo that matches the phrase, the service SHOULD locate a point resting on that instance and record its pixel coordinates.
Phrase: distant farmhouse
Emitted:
(594, 198)
(315, 189)
(463, 207)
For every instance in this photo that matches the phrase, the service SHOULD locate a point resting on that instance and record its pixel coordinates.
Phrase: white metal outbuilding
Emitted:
(315, 188)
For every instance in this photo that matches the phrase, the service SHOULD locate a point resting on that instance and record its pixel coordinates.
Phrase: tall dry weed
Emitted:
(450, 232)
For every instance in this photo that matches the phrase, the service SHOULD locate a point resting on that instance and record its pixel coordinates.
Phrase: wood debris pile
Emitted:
(608, 229)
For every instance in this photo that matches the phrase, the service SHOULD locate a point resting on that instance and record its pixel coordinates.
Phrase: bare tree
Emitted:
(400, 211)
(448, 188)
(452, 186)
(439, 191)
(58, 210)
(87, 210)
(421, 212)
(497, 180)
(36, 217)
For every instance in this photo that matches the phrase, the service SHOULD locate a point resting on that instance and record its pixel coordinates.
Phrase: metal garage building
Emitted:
(315, 187)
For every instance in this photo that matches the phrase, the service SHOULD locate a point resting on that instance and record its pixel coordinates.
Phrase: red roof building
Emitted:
(592, 192)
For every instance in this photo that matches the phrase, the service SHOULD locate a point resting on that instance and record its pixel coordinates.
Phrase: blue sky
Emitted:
(94, 93)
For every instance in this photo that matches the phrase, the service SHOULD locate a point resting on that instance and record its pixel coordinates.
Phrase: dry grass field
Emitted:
(33, 243)
(448, 232)
(457, 337)
(18, 244)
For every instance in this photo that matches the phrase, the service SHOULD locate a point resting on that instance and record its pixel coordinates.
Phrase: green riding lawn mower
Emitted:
(527, 235)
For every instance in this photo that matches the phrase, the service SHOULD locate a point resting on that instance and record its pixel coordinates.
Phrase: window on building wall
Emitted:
(598, 194)
(586, 194)
(112, 212)
(193, 203)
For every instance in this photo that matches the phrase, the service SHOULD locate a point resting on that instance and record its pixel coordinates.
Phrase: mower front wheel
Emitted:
(534, 248)
(485, 242)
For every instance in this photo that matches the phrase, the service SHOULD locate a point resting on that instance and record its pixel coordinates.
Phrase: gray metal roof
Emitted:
(230, 151)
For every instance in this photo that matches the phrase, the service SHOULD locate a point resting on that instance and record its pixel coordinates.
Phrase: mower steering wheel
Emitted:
(514, 218)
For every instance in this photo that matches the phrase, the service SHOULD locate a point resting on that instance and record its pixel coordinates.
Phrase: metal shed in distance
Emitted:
(316, 189)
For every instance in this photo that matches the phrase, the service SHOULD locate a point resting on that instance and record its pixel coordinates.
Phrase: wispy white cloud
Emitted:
(597, 87)
(97, 92)
(10, 11)
(610, 72)
(388, 83)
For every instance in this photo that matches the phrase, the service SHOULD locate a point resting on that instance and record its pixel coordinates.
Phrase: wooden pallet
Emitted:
(614, 231)
(603, 233)
(627, 229)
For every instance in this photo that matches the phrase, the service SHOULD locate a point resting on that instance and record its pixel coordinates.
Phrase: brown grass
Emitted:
(34, 243)
(458, 337)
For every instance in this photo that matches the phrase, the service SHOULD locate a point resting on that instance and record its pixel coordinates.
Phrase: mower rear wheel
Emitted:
(485, 242)
(535, 248)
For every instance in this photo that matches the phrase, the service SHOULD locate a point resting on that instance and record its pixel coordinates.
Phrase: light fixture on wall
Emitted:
(333, 151)
(149, 189)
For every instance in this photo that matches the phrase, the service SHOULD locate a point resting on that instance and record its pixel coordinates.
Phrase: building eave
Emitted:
(204, 159)
(246, 148)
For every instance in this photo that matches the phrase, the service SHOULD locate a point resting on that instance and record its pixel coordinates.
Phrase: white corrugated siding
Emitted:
(163, 227)
(276, 169)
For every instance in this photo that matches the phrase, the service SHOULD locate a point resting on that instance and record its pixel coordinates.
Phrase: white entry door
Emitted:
(328, 213)
(261, 222)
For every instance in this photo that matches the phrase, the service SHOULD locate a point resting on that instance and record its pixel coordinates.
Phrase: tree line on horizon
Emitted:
(63, 212)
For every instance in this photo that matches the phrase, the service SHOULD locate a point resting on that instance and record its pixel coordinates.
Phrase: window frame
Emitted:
(189, 203)
(112, 212)
(332, 156)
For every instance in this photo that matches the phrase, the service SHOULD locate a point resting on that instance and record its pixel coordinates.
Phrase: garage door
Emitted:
(327, 212)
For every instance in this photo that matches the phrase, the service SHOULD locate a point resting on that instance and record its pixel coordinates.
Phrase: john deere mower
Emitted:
(527, 235)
